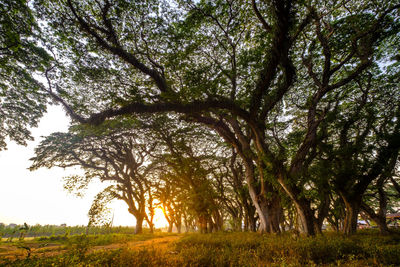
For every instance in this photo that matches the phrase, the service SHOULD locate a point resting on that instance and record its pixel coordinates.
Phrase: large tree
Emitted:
(368, 151)
(118, 155)
(262, 74)
(22, 97)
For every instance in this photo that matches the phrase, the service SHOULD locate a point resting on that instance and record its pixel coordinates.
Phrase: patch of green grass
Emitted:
(97, 240)
(101, 240)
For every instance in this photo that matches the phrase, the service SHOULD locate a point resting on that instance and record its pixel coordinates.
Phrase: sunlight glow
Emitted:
(159, 218)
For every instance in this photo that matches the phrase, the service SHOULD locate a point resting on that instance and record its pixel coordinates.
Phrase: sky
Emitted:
(38, 197)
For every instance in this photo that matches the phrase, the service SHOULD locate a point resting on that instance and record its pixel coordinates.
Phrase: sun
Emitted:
(159, 218)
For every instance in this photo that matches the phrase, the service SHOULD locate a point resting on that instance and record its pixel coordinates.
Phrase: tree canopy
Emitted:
(22, 98)
(296, 88)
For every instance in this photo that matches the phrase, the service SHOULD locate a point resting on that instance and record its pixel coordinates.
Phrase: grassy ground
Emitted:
(51, 246)
(367, 248)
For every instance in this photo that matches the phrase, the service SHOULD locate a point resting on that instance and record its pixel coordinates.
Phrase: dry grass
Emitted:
(232, 249)
(18, 250)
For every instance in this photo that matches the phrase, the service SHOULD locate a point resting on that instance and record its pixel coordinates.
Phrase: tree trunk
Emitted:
(237, 224)
(274, 214)
(139, 224)
(334, 225)
(323, 210)
(306, 217)
(185, 220)
(202, 222)
(379, 218)
(170, 225)
(266, 211)
(210, 225)
(219, 222)
(178, 224)
(381, 222)
(250, 222)
(179, 227)
(305, 214)
(150, 223)
(352, 208)
(317, 227)
(261, 208)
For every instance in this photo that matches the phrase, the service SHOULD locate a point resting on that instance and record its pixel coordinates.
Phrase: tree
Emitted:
(22, 98)
(364, 142)
(233, 193)
(186, 173)
(263, 75)
(117, 155)
(169, 204)
(378, 216)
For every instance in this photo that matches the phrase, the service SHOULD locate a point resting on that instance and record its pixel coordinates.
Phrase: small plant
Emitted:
(10, 238)
(78, 246)
(22, 231)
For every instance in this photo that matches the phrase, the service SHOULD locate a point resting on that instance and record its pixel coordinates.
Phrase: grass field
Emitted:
(367, 248)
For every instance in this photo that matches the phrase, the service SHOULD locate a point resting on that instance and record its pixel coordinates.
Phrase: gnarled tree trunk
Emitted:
(352, 209)
(305, 213)
(269, 221)
(306, 217)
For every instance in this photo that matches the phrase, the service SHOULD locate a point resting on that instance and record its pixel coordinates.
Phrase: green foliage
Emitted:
(295, 87)
(99, 214)
(78, 246)
(22, 98)
(22, 231)
(48, 233)
(114, 152)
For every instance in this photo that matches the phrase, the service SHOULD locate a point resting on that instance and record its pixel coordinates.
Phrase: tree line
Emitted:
(57, 231)
(271, 114)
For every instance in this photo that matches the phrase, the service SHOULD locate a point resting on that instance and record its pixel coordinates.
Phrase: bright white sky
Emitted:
(38, 196)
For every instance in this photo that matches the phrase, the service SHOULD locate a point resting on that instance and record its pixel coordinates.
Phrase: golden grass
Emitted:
(231, 249)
